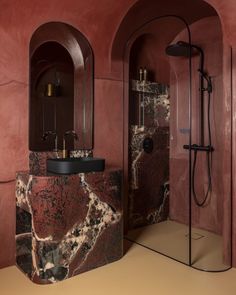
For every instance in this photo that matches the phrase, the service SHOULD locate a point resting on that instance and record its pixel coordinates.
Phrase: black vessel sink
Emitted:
(75, 165)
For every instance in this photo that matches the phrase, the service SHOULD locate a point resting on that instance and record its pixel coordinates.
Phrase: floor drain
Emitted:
(195, 236)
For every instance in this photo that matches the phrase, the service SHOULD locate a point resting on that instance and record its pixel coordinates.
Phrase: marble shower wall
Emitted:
(66, 225)
(148, 172)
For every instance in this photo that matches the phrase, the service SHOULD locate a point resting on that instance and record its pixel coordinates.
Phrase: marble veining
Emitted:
(81, 153)
(162, 212)
(63, 239)
(150, 87)
(149, 172)
(137, 135)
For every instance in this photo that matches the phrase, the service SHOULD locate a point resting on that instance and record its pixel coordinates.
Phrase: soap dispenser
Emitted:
(140, 74)
(145, 75)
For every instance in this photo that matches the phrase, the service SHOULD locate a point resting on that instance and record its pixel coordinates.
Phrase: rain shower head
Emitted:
(180, 48)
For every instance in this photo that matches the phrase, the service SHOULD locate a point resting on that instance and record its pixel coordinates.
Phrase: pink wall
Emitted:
(18, 20)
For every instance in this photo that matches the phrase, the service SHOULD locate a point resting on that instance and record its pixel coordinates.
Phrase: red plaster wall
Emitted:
(141, 13)
(18, 21)
(99, 22)
(148, 49)
(210, 217)
(233, 155)
(108, 121)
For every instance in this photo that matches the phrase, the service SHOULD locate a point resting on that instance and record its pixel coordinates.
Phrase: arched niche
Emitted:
(140, 13)
(207, 32)
(61, 87)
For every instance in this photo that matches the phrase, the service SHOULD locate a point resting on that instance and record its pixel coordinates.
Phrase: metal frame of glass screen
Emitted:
(190, 136)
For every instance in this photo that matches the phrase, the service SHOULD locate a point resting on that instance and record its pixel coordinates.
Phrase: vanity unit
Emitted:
(67, 224)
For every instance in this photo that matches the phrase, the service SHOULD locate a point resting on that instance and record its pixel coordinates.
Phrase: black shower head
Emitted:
(180, 48)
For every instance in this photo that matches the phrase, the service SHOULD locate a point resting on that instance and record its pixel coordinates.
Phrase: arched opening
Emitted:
(161, 203)
(61, 88)
(52, 96)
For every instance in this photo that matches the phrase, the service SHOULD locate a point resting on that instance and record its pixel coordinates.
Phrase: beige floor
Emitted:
(171, 239)
(139, 272)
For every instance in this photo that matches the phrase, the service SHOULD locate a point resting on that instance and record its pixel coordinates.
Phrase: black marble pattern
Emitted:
(62, 220)
(149, 171)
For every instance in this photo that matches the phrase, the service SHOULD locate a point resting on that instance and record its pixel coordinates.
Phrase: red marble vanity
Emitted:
(67, 224)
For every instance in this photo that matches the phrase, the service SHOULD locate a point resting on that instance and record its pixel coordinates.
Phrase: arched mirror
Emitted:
(61, 88)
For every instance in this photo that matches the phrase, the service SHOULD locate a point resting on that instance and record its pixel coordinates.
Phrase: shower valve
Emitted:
(201, 148)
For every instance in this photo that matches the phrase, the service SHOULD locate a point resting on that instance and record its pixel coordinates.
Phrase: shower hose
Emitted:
(198, 202)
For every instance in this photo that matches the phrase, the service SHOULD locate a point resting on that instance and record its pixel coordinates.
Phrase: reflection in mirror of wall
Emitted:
(61, 88)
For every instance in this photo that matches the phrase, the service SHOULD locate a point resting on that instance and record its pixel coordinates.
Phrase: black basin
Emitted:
(75, 165)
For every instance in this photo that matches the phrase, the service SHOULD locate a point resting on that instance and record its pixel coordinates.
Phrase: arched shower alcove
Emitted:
(132, 45)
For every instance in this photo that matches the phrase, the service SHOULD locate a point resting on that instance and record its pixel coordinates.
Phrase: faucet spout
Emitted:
(66, 134)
